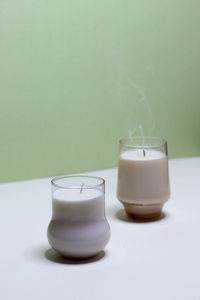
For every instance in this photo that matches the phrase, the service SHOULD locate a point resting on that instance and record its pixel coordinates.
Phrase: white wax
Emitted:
(76, 194)
(143, 179)
(78, 227)
(71, 204)
(138, 154)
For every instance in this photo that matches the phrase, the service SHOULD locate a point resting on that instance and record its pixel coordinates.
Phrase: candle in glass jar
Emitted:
(143, 183)
(78, 227)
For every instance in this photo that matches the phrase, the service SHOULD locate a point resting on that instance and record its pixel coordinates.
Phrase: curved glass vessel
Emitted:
(78, 227)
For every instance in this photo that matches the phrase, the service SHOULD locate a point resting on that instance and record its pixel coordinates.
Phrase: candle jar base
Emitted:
(78, 240)
(143, 212)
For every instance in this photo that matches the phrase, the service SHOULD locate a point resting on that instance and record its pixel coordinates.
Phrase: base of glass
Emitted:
(143, 211)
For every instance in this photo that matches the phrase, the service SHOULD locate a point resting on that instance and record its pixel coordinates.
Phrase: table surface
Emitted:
(154, 260)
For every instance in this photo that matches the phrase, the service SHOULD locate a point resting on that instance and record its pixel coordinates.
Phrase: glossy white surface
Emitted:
(139, 155)
(74, 195)
(158, 260)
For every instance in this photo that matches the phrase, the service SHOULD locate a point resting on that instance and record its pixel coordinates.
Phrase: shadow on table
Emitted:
(42, 254)
(122, 216)
(55, 257)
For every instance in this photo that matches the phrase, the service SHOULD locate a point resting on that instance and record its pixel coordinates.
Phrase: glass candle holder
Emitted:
(143, 180)
(78, 227)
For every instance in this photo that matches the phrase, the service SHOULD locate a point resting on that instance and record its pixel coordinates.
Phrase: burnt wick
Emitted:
(81, 190)
(144, 154)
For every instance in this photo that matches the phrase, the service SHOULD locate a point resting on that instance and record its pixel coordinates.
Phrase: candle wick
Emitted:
(81, 190)
(144, 152)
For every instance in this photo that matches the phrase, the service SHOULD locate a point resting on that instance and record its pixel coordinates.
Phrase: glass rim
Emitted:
(127, 142)
(56, 178)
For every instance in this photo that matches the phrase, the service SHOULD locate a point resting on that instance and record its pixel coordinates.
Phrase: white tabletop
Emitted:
(156, 260)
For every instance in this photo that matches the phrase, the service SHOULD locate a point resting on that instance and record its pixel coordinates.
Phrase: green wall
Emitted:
(75, 76)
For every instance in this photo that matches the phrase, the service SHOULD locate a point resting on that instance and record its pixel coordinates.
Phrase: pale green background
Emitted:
(75, 76)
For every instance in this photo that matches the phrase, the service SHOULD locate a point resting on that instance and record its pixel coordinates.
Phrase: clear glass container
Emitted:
(78, 227)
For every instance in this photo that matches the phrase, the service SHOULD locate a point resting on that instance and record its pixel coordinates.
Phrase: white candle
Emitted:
(74, 204)
(143, 183)
(78, 227)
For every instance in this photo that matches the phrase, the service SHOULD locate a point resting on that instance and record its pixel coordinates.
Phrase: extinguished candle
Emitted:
(143, 182)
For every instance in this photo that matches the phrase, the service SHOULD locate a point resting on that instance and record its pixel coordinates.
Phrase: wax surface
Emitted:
(139, 154)
(76, 194)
